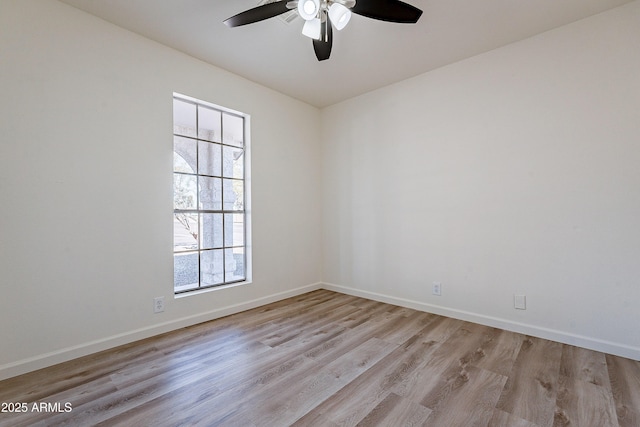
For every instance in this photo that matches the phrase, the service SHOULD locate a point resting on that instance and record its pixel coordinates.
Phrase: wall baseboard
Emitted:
(63, 355)
(590, 343)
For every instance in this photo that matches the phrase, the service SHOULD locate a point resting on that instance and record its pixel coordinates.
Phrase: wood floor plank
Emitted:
(200, 400)
(300, 313)
(584, 365)
(37, 385)
(457, 392)
(446, 361)
(315, 420)
(388, 326)
(467, 399)
(625, 386)
(406, 326)
(504, 419)
(351, 338)
(499, 352)
(402, 311)
(302, 395)
(135, 392)
(582, 403)
(531, 389)
(309, 326)
(394, 410)
(217, 351)
(327, 359)
(280, 311)
(441, 329)
(368, 311)
(352, 403)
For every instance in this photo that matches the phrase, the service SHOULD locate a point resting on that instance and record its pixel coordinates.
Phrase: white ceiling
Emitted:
(366, 55)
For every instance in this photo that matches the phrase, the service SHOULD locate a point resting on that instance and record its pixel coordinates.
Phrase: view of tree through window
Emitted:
(208, 195)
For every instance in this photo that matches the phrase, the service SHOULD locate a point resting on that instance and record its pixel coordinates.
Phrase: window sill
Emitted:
(211, 289)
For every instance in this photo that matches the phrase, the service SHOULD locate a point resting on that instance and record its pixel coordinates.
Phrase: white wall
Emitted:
(515, 171)
(86, 187)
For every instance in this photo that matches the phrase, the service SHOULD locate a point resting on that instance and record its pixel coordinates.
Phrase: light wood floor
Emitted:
(327, 359)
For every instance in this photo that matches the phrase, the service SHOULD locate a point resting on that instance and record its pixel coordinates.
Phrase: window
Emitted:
(209, 195)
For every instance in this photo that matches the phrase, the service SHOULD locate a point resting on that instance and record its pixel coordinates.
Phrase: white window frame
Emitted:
(229, 251)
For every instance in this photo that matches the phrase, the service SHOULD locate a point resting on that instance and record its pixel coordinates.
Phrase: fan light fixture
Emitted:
(339, 15)
(308, 9)
(315, 12)
(312, 28)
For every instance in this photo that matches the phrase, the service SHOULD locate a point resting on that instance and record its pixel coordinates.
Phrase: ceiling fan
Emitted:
(321, 15)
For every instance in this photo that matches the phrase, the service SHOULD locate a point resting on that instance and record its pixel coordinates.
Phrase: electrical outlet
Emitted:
(520, 302)
(436, 288)
(158, 304)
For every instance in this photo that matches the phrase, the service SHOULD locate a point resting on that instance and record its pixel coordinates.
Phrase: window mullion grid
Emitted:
(244, 197)
(198, 214)
(199, 211)
(224, 240)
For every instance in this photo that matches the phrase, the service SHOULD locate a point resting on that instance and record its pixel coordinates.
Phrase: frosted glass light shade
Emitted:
(308, 9)
(339, 16)
(311, 28)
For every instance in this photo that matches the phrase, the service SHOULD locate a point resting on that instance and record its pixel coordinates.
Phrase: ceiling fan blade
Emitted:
(322, 47)
(388, 10)
(259, 13)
